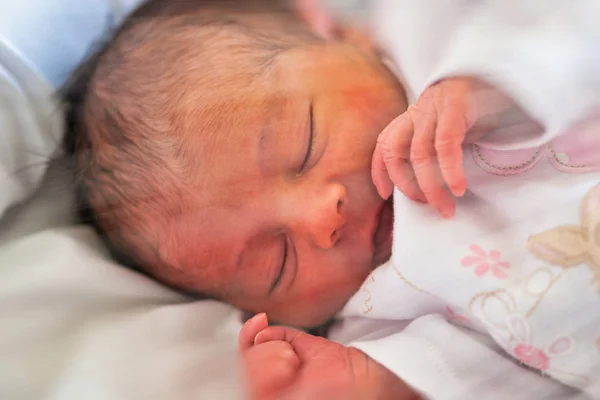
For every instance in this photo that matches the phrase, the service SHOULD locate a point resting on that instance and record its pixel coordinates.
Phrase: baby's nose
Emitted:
(322, 216)
(327, 231)
(327, 219)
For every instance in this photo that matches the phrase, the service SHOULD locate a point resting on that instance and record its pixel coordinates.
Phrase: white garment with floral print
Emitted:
(520, 264)
(503, 301)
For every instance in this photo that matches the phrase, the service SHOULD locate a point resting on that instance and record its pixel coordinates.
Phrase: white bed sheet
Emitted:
(74, 325)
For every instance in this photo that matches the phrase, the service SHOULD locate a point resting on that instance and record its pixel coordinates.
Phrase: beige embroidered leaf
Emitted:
(565, 246)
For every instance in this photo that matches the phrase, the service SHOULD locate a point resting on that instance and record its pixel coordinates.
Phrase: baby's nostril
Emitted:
(333, 236)
(339, 204)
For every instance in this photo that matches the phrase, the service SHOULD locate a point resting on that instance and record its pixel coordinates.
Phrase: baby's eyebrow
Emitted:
(299, 124)
(266, 145)
(265, 137)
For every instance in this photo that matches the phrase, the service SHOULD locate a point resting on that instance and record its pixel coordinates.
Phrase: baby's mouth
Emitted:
(382, 236)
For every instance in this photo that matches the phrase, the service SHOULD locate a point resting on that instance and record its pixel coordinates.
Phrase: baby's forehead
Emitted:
(227, 139)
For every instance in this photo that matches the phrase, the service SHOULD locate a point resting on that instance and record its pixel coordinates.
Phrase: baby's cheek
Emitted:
(315, 305)
(357, 99)
(377, 101)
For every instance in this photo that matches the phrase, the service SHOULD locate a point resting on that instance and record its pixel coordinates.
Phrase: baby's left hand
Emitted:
(421, 151)
(283, 363)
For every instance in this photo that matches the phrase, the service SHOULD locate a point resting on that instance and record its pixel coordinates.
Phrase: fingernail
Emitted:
(258, 317)
(459, 191)
(257, 337)
(385, 193)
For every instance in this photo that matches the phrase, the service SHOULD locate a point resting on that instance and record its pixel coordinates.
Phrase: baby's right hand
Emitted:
(421, 151)
(283, 363)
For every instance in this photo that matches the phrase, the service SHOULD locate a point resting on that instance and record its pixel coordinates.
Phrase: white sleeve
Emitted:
(545, 54)
(442, 361)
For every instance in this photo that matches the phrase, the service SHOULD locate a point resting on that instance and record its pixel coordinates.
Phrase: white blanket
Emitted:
(75, 325)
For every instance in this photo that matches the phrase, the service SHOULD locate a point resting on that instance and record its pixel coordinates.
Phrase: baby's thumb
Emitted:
(301, 342)
(279, 333)
(251, 329)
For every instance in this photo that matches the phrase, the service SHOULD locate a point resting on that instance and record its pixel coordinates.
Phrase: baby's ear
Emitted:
(565, 246)
(316, 17)
(326, 24)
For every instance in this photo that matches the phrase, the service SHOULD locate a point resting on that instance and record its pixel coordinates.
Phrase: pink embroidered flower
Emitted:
(485, 262)
(532, 356)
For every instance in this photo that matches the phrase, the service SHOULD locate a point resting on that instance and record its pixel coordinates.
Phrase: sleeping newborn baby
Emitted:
(226, 150)
(230, 149)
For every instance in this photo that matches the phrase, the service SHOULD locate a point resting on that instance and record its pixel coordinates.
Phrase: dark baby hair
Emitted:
(124, 120)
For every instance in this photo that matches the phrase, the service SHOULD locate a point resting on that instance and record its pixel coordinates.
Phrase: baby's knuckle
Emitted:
(407, 188)
(430, 92)
(283, 367)
(420, 154)
(412, 110)
(418, 112)
(444, 145)
(390, 141)
(391, 157)
(384, 136)
(287, 353)
(384, 145)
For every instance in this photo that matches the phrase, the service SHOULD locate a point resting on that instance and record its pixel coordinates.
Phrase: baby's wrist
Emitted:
(374, 381)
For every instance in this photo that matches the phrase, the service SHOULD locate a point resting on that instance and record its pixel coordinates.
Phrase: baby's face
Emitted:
(286, 219)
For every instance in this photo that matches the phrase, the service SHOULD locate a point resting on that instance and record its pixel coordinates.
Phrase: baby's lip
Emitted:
(382, 233)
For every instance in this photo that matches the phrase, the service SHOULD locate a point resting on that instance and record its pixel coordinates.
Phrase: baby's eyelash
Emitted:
(283, 262)
(310, 142)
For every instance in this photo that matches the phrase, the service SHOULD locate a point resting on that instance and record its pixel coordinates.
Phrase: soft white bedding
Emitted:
(74, 325)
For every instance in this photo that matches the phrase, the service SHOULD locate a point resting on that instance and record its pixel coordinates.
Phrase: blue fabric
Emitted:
(53, 36)
(41, 42)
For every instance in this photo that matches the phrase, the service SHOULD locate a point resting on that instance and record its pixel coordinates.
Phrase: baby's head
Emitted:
(226, 149)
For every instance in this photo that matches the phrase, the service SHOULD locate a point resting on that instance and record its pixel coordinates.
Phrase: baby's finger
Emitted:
(269, 368)
(250, 329)
(449, 138)
(423, 157)
(302, 343)
(380, 176)
(395, 147)
(277, 333)
(383, 149)
(403, 175)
